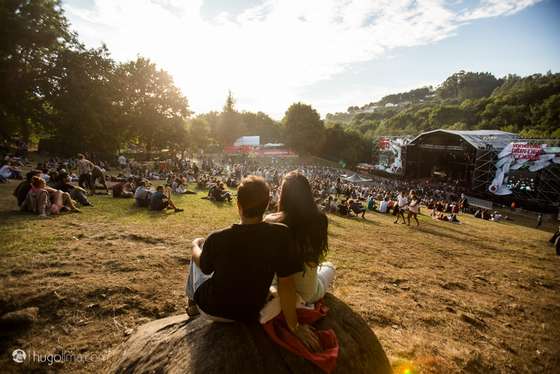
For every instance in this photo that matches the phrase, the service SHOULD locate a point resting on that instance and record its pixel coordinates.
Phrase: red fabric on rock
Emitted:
(277, 329)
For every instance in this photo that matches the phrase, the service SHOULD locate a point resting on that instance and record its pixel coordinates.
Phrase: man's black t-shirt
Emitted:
(244, 259)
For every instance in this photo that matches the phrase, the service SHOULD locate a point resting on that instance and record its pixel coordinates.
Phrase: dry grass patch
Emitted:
(477, 297)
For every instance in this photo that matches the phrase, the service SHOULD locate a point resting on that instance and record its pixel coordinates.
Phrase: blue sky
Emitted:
(328, 53)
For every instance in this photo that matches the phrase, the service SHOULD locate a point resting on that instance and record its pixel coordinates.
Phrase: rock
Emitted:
(181, 345)
(19, 318)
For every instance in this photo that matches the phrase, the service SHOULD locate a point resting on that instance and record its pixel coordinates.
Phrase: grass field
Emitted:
(478, 297)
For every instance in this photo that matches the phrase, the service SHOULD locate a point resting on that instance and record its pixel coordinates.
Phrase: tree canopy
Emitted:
(467, 101)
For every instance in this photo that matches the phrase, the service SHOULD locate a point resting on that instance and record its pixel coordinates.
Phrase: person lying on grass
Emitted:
(229, 279)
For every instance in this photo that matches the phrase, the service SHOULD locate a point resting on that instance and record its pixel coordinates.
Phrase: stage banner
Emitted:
(390, 154)
(519, 155)
(526, 151)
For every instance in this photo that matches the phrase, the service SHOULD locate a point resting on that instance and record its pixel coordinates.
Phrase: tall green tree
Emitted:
(85, 115)
(32, 34)
(153, 108)
(260, 124)
(230, 125)
(304, 130)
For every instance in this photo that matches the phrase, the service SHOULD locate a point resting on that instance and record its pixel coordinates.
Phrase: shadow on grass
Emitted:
(13, 215)
(429, 229)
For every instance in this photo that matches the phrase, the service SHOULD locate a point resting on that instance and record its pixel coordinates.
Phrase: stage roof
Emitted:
(479, 139)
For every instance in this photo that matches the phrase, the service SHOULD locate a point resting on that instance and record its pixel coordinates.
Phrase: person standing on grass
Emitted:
(413, 207)
(539, 219)
(555, 241)
(84, 167)
(231, 271)
(98, 174)
(402, 203)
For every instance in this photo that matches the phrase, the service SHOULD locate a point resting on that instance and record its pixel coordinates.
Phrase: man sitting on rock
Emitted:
(230, 279)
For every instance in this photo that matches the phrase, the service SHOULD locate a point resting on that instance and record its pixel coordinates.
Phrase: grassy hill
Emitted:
(465, 101)
(479, 297)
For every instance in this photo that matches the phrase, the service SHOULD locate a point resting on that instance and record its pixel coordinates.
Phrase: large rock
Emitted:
(19, 318)
(181, 345)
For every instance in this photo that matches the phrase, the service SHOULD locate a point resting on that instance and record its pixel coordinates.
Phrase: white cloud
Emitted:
(269, 53)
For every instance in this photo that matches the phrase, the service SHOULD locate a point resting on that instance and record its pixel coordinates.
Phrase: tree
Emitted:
(230, 126)
(32, 34)
(150, 102)
(84, 114)
(262, 125)
(199, 133)
(350, 147)
(303, 129)
(468, 85)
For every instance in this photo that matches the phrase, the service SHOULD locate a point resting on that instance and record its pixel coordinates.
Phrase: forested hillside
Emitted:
(464, 101)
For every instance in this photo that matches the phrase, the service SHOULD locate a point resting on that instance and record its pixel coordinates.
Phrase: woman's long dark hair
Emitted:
(307, 223)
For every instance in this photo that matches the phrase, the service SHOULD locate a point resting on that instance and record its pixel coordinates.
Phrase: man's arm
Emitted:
(197, 250)
(288, 299)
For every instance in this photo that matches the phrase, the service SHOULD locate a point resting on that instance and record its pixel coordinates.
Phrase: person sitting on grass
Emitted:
(161, 200)
(123, 189)
(179, 186)
(371, 203)
(23, 187)
(231, 271)
(218, 193)
(309, 228)
(142, 194)
(343, 208)
(357, 208)
(44, 200)
(10, 171)
(62, 182)
(384, 206)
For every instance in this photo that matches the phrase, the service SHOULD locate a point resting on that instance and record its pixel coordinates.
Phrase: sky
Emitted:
(330, 54)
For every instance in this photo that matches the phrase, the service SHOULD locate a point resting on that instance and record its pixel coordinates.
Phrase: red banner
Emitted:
(526, 151)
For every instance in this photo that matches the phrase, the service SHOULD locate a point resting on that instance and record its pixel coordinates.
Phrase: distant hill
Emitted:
(465, 101)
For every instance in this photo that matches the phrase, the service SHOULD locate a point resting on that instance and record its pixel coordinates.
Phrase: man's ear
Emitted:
(239, 209)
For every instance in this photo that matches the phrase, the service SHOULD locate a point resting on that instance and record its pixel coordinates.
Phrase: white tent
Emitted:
(356, 179)
(253, 141)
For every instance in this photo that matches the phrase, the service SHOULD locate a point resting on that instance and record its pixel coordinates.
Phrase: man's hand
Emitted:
(307, 336)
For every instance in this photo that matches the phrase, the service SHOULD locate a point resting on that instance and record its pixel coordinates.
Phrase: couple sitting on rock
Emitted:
(231, 277)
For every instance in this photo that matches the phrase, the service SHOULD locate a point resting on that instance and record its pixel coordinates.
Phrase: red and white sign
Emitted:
(384, 143)
(526, 151)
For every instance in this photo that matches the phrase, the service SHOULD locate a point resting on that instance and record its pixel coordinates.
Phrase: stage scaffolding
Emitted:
(535, 190)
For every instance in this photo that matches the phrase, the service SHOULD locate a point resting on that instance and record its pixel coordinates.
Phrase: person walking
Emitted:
(402, 204)
(84, 167)
(539, 219)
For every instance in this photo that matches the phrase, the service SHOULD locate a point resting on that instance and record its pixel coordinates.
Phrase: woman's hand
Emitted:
(198, 242)
(307, 336)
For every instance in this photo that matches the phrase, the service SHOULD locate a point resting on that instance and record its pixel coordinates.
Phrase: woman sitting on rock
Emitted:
(309, 226)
